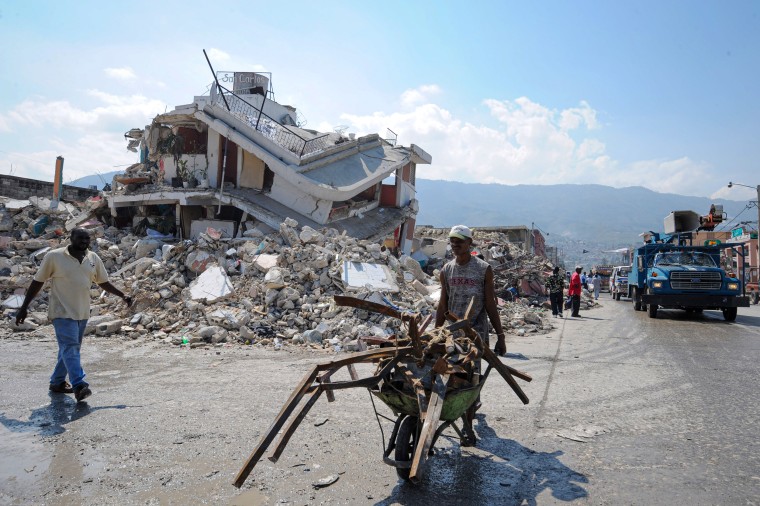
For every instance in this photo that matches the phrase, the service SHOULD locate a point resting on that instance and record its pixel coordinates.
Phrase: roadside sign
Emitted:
(737, 232)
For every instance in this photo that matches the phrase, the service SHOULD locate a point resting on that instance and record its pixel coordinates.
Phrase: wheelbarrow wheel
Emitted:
(406, 441)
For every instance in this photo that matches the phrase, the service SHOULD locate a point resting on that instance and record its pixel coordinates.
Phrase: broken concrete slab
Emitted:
(198, 260)
(357, 275)
(264, 262)
(213, 284)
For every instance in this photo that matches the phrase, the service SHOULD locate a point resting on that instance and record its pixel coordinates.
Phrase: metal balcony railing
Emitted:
(265, 125)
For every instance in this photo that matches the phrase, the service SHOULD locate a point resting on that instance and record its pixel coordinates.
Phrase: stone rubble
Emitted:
(269, 289)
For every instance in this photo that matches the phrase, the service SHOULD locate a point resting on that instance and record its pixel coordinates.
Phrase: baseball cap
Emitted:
(460, 232)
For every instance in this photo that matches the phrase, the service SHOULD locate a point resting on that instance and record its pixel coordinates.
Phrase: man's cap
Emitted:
(460, 232)
(578, 267)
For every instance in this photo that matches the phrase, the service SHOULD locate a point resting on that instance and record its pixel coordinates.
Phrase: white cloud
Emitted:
(532, 144)
(62, 114)
(420, 94)
(734, 193)
(92, 153)
(682, 176)
(120, 73)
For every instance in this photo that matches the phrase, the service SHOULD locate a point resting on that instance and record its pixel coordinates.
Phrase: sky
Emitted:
(660, 94)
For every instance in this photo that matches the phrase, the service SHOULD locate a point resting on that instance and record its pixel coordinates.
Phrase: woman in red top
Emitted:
(575, 291)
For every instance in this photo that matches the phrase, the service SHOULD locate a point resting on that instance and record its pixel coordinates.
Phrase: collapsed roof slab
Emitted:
(373, 224)
(357, 164)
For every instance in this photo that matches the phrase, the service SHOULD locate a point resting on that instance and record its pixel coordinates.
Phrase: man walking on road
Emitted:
(575, 292)
(71, 271)
(555, 285)
(597, 285)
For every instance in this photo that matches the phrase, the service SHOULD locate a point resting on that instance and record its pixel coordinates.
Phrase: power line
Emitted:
(25, 157)
(734, 218)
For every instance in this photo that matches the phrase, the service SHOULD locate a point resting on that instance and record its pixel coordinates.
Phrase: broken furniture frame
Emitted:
(416, 428)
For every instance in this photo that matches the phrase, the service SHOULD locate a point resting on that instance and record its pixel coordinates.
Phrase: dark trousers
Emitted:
(556, 300)
(576, 305)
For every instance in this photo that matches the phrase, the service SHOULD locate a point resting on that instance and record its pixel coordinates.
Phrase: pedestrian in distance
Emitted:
(555, 286)
(575, 292)
(463, 278)
(597, 285)
(71, 270)
(584, 281)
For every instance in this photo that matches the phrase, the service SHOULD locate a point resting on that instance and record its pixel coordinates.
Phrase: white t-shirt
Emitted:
(70, 282)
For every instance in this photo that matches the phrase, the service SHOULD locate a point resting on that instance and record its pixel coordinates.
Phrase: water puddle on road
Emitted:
(25, 457)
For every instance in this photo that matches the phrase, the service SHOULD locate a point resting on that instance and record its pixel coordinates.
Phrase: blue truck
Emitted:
(675, 275)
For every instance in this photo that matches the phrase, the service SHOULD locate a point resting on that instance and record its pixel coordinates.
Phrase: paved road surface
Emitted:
(624, 410)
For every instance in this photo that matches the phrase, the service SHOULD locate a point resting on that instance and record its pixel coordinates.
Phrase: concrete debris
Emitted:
(266, 287)
(213, 284)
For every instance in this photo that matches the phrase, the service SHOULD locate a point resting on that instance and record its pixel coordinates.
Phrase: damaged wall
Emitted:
(291, 196)
(23, 188)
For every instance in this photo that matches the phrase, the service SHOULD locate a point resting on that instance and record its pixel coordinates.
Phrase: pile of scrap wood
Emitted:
(414, 376)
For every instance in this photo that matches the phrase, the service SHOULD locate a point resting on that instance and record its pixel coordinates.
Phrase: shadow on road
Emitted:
(585, 318)
(508, 473)
(707, 317)
(49, 420)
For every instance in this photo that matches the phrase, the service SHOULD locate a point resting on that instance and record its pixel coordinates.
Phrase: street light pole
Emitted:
(757, 244)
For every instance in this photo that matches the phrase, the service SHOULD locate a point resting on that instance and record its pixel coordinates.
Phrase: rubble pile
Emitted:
(266, 287)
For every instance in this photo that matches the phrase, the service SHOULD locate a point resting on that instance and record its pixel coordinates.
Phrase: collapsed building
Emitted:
(238, 158)
(270, 289)
(239, 225)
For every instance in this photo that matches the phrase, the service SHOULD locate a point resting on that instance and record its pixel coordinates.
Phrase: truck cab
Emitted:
(619, 281)
(675, 276)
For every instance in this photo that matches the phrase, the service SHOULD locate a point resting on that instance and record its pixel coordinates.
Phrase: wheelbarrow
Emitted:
(422, 418)
(423, 383)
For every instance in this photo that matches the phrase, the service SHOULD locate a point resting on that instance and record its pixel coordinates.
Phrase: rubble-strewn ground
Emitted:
(265, 288)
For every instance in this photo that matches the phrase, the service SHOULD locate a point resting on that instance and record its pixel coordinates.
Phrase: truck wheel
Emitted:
(636, 300)
(406, 441)
(653, 310)
(729, 314)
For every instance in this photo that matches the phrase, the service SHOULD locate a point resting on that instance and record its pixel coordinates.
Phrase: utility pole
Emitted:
(533, 239)
(757, 204)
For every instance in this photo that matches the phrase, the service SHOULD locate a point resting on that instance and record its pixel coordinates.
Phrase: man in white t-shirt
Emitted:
(71, 271)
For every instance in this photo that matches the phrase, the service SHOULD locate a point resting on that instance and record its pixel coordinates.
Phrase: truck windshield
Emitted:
(684, 258)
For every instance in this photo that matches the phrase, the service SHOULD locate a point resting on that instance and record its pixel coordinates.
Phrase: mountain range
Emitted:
(575, 218)
(585, 221)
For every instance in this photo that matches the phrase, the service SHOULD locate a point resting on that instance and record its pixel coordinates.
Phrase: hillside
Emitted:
(589, 217)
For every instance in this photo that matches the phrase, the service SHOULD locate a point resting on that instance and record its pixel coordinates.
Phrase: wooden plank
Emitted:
(419, 390)
(363, 382)
(425, 323)
(325, 378)
(522, 375)
(343, 300)
(416, 341)
(278, 422)
(292, 426)
(429, 426)
(363, 356)
(352, 372)
(497, 364)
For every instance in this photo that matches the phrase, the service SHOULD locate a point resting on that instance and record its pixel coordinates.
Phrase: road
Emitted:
(624, 410)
